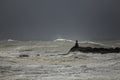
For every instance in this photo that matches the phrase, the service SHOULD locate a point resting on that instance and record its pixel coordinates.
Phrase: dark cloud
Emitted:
(49, 19)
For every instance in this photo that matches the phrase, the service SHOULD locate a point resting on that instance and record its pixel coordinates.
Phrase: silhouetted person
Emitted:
(76, 44)
(75, 47)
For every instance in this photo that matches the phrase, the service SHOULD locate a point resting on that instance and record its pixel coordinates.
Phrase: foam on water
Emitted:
(51, 65)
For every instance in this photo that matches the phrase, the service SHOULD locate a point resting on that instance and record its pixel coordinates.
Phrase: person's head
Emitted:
(76, 41)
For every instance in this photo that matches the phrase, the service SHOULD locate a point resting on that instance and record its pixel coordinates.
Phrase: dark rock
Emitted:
(77, 48)
(23, 55)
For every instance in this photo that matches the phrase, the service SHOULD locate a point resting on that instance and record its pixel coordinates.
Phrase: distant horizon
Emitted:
(11, 39)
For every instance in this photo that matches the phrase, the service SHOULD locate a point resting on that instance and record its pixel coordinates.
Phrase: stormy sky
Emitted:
(50, 19)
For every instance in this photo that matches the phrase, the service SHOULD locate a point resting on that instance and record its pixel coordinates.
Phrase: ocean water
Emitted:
(44, 61)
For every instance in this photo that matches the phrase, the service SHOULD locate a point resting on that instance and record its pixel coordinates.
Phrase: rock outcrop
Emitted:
(77, 48)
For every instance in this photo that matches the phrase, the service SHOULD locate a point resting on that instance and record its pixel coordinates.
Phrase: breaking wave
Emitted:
(61, 39)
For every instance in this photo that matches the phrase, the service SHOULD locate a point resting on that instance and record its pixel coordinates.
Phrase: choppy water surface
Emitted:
(45, 62)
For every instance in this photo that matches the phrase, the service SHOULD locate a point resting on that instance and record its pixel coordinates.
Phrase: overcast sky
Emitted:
(50, 19)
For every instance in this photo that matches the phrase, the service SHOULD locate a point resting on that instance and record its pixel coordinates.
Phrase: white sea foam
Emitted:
(10, 40)
(46, 63)
(60, 39)
(91, 42)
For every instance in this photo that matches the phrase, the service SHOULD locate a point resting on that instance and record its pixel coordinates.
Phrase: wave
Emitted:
(91, 42)
(64, 40)
(10, 40)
